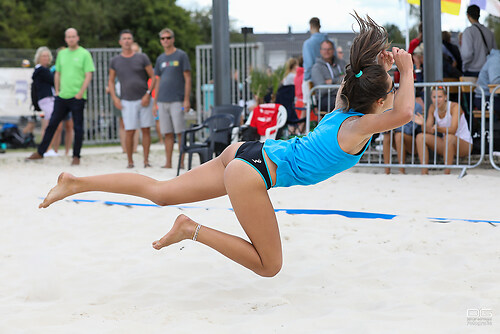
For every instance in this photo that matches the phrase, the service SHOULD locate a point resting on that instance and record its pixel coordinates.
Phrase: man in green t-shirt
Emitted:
(74, 67)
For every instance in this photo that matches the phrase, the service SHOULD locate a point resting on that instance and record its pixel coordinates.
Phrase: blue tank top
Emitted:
(315, 157)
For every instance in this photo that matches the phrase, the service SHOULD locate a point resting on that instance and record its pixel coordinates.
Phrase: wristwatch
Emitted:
(148, 92)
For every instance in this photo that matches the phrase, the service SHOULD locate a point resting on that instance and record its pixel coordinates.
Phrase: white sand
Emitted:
(90, 268)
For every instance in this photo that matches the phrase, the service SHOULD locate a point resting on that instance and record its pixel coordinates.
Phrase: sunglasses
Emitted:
(166, 37)
(393, 89)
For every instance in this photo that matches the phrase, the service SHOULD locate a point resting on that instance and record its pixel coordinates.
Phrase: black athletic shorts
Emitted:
(251, 152)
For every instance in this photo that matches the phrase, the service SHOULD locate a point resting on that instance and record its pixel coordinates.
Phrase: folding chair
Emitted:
(219, 129)
(234, 110)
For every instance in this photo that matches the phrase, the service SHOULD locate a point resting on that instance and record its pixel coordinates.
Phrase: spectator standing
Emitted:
(173, 88)
(310, 52)
(67, 122)
(74, 67)
(133, 71)
(43, 83)
(327, 71)
(451, 50)
(477, 41)
(290, 72)
(137, 49)
(299, 78)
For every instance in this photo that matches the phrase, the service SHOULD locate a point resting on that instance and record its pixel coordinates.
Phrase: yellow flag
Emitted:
(447, 6)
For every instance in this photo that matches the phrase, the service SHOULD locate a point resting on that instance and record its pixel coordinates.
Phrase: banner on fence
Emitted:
(15, 99)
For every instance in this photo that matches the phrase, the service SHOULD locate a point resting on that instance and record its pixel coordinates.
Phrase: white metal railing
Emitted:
(491, 136)
(462, 92)
(243, 58)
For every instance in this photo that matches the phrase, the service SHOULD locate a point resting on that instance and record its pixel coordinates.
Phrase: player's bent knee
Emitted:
(270, 271)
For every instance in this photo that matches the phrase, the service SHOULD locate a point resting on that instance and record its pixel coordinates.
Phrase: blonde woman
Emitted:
(290, 71)
(43, 83)
(446, 130)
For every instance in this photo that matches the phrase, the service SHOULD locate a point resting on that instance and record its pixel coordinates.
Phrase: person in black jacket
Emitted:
(43, 84)
(452, 61)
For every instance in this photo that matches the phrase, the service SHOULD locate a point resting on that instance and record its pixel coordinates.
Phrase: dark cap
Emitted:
(473, 11)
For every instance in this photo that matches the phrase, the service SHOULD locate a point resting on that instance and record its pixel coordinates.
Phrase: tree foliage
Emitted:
(493, 23)
(395, 35)
(17, 29)
(31, 23)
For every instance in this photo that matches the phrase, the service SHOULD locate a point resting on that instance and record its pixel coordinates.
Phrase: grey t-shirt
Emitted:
(131, 72)
(171, 70)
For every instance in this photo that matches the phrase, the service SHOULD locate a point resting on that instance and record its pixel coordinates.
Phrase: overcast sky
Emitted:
(272, 16)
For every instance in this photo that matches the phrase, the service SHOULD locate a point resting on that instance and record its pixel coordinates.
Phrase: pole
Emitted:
(245, 106)
(245, 31)
(407, 15)
(221, 57)
(433, 51)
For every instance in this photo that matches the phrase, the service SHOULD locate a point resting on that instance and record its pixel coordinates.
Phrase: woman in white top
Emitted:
(446, 121)
(290, 71)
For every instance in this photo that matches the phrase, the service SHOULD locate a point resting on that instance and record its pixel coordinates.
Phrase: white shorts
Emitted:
(136, 116)
(47, 106)
(171, 117)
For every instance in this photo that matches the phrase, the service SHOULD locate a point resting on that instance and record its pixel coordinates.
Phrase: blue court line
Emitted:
(347, 214)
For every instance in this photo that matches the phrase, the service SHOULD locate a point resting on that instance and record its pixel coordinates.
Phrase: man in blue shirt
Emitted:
(489, 75)
(310, 51)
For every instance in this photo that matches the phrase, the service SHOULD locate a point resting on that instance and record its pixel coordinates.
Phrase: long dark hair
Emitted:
(370, 84)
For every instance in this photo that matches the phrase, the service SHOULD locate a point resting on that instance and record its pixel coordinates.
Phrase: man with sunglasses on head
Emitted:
(173, 88)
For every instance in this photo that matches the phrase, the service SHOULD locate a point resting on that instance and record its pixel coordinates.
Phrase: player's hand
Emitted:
(385, 59)
(403, 60)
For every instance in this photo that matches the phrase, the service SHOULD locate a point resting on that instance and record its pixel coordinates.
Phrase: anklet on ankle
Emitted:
(196, 231)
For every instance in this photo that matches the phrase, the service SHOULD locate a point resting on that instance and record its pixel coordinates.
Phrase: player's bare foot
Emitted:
(63, 189)
(183, 229)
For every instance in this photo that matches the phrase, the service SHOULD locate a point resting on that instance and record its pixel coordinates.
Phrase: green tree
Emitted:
(16, 25)
(98, 23)
(395, 35)
(493, 23)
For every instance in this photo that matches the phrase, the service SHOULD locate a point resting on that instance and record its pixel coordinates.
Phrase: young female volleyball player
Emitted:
(245, 171)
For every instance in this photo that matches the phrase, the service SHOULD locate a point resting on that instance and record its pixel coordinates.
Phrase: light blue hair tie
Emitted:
(359, 74)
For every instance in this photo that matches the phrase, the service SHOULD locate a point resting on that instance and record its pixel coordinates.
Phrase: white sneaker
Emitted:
(51, 153)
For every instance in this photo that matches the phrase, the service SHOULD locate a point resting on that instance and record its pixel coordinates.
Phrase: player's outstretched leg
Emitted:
(201, 183)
